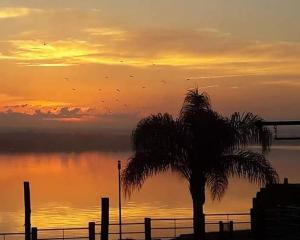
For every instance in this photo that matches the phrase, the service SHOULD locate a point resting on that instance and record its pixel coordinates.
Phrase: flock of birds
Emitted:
(118, 90)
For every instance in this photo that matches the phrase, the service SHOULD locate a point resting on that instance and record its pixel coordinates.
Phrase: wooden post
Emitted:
(231, 229)
(92, 231)
(221, 227)
(27, 206)
(148, 229)
(34, 233)
(104, 218)
(221, 230)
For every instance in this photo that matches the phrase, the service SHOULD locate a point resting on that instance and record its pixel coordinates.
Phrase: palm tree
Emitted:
(204, 147)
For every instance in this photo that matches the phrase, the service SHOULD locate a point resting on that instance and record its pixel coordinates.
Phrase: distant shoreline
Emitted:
(78, 142)
(41, 142)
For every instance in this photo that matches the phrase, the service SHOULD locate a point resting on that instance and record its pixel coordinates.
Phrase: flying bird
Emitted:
(118, 90)
(131, 76)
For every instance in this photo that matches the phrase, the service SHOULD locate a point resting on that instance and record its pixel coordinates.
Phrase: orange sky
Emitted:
(106, 63)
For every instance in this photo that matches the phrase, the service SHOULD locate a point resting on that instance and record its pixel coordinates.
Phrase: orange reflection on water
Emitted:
(66, 189)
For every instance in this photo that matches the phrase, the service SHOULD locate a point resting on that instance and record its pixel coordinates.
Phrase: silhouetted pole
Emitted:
(231, 229)
(27, 210)
(221, 230)
(120, 200)
(92, 231)
(34, 233)
(148, 229)
(104, 218)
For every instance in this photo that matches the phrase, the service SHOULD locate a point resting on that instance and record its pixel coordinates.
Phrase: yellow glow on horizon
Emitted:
(15, 12)
(74, 52)
(38, 50)
(45, 103)
(47, 64)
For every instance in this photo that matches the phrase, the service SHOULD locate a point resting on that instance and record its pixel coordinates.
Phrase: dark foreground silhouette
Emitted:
(203, 147)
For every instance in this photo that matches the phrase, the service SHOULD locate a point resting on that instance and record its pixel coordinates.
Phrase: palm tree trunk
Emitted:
(198, 196)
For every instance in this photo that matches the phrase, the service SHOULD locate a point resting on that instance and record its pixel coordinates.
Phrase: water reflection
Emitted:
(66, 189)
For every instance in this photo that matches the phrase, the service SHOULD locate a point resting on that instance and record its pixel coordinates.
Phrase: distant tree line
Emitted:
(63, 141)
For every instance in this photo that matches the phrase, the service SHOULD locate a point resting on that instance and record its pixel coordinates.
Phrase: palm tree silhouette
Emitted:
(202, 146)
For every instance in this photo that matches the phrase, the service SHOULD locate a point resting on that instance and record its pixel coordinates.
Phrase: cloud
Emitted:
(116, 33)
(97, 42)
(35, 53)
(67, 116)
(67, 112)
(39, 116)
(209, 86)
(16, 106)
(21, 104)
(63, 113)
(16, 12)
(288, 83)
(220, 76)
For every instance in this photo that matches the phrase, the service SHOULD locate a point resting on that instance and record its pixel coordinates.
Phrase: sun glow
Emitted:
(15, 12)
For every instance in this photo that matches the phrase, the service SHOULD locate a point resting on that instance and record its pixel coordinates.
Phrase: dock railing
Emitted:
(148, 229)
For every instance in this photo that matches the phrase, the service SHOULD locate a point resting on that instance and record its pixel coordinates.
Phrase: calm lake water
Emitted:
(66, 189)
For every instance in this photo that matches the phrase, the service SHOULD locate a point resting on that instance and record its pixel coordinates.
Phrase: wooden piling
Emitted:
(104, 218)
(221, 227)
(231, 229)
(34, 233)
(27, 206)
(221, 230)
(92, 231)
(148, 229)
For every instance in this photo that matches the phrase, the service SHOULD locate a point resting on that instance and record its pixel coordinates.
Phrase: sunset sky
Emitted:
(107, 63)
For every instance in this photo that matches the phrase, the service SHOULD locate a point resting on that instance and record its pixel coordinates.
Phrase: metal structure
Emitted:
(120, 200)
(27, 208)
(275, 124)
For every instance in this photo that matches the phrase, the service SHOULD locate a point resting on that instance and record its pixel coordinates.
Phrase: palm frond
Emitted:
(248, 130)
(217, 182)
(158, 142)
(155, 132)
(139, 167)
(250, 165)
(194, 102)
